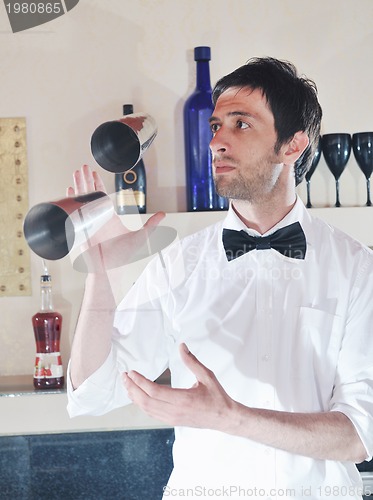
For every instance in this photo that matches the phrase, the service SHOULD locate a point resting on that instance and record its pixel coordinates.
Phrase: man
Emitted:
(267, 339)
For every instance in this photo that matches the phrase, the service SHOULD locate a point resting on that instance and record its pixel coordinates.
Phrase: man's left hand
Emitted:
(205, 405)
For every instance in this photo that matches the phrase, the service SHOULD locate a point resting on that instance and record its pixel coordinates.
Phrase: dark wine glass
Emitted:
(336, 149)
(315, 162)
(362, 144)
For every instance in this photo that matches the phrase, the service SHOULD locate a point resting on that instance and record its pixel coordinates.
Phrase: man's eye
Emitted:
(241, 124)
(214, 127)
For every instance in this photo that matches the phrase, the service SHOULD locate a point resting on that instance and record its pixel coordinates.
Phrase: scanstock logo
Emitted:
(28, 14)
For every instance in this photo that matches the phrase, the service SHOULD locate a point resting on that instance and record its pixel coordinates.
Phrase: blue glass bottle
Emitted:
(201, 193)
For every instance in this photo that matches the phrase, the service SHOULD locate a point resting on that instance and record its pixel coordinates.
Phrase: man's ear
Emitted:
(295, 147)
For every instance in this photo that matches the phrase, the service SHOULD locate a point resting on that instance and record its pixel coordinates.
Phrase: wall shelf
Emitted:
(355, 221)
(34, 412)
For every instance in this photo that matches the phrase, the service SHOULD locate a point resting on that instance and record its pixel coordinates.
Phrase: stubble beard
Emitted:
(253, 188)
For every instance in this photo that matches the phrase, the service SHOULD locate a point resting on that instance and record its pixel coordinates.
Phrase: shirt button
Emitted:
(265, 357)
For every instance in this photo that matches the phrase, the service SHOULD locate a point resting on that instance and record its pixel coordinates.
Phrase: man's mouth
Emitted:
(222, 168)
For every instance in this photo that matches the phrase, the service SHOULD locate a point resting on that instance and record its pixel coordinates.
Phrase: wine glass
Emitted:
(315, 162)
(336, 149)
(362, 144)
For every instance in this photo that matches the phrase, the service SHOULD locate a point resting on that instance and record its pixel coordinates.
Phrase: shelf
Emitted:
(25, 410)
(355, 221)
(22, 385)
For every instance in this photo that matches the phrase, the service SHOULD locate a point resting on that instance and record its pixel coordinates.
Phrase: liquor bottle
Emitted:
(198, 108)
(48, 373)
(130, 186)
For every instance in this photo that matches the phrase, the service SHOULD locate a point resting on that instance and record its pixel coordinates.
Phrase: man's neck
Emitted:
(262, 217)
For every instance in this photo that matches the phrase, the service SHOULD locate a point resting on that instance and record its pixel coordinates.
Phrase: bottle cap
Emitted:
(202, 53)
(127, 109)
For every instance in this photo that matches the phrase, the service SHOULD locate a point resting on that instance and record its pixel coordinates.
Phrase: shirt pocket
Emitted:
(321, 333)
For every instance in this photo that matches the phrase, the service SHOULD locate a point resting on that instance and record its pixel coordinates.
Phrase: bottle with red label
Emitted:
(47, 323)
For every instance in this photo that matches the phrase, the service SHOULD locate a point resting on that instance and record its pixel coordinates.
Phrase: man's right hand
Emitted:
(113, 244)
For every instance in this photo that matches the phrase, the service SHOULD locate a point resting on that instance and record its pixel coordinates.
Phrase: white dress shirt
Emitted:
(279, 333)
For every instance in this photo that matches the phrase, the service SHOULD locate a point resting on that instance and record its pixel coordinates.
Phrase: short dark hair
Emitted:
(291, 98)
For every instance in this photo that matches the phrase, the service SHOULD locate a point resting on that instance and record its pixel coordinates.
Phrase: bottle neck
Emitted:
(46, 301)
(203, 75)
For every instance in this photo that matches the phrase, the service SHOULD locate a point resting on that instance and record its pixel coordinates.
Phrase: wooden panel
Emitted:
(14, 251)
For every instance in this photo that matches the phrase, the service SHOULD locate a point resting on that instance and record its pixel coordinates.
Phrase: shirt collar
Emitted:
(297, 214)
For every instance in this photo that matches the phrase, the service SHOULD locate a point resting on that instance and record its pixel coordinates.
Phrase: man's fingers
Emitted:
(87, 180)
(98, 182)
(156, 400)
(70, 192)
(142, 382)
(159, 403)
(79, 187)
(135, 381)
(152, 223)
(134, 389)
(150, 388)
(154, 220)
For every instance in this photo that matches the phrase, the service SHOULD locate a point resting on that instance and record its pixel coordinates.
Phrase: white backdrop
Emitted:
(71, 74)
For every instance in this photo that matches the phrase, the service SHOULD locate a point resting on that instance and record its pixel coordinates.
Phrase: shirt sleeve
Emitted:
(353, 390)
(141, 341)
(102, 386)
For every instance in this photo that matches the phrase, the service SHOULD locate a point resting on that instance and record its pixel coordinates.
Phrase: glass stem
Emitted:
(337, 203)
(309, 205)
(369, 203)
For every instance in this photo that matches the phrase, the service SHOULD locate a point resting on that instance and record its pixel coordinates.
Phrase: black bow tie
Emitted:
(289, 240)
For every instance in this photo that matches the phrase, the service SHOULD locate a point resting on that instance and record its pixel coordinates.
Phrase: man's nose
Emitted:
(218, 143)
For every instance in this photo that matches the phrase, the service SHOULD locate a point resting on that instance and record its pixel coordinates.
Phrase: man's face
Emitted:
(245, 164)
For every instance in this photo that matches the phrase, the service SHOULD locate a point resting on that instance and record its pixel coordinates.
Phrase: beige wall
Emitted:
(69, 75)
